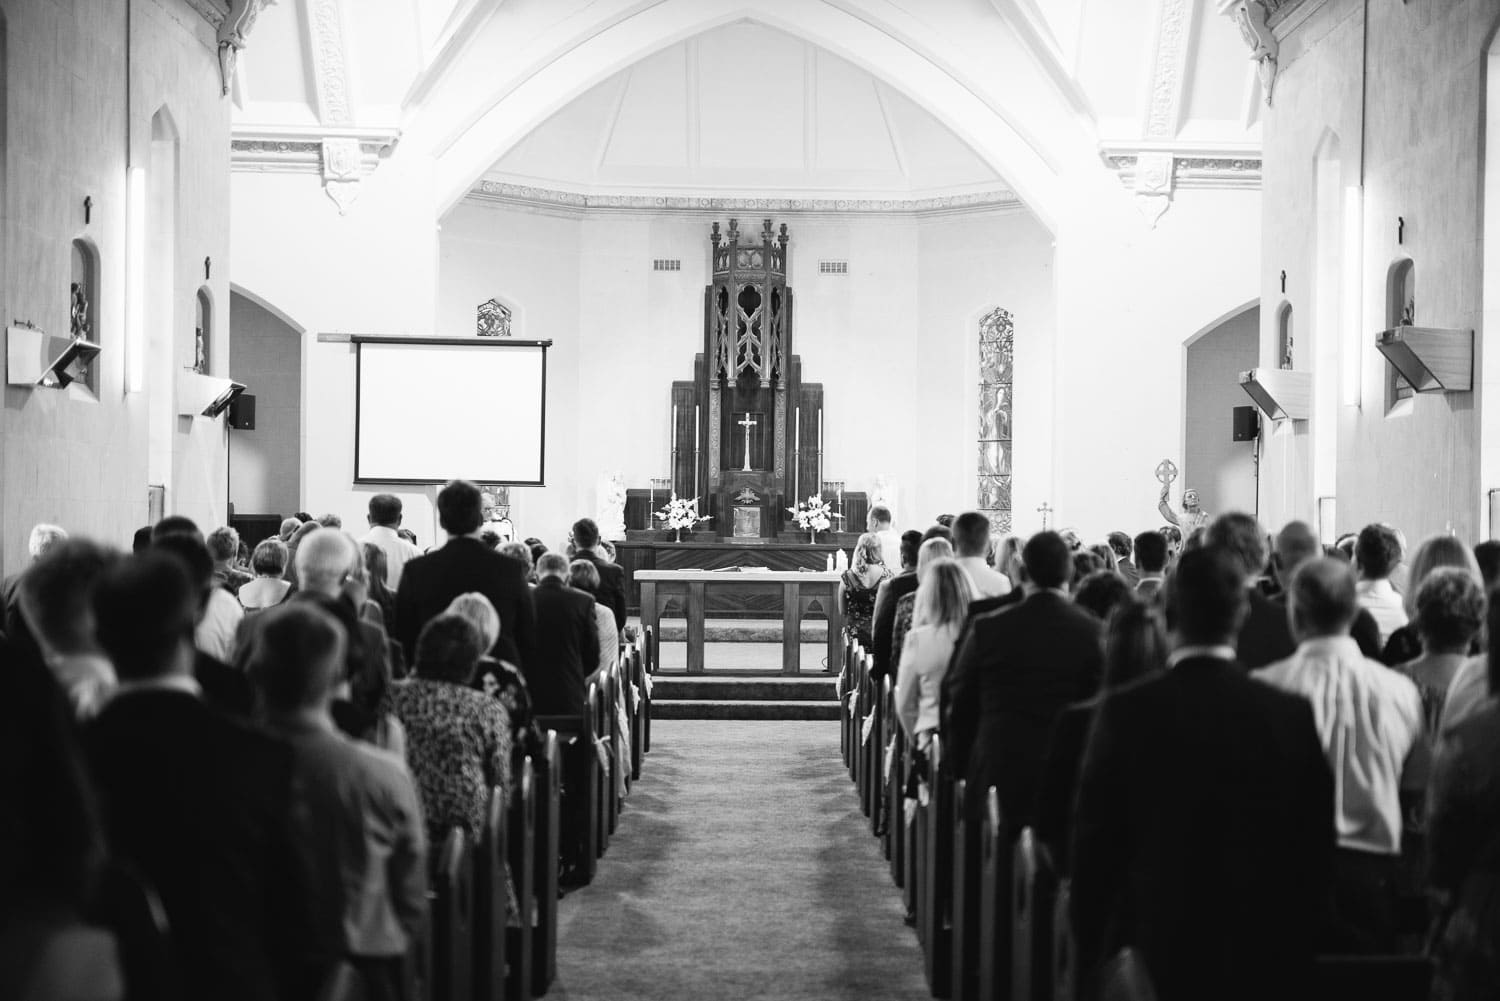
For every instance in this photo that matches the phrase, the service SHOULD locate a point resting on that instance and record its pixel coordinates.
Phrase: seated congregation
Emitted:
(332, 768)
(1252, 768)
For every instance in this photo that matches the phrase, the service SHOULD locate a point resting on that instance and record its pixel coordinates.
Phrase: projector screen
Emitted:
(435, 409)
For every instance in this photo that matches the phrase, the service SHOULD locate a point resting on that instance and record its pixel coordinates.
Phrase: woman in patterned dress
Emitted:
(458, 741)
(860, 583)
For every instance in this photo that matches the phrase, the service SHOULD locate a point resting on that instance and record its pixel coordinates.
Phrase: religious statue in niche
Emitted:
(200, 351)
(78, 312)
(493, 319)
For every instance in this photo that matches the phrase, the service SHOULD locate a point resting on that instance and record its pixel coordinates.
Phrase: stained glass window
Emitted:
(996, 369)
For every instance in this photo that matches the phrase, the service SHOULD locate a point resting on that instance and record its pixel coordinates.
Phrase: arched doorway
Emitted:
(1222, 470)
(265, 464)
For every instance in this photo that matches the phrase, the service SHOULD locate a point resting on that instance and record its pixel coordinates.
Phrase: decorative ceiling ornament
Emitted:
(233, 33)
(1253, 18)
(341, 171)
(1154, 175)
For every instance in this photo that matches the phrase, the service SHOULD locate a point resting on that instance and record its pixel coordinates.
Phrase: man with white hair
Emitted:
(55, 598)
(43, 537)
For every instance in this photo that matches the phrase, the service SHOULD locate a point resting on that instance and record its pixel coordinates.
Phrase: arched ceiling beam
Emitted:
(972, 88)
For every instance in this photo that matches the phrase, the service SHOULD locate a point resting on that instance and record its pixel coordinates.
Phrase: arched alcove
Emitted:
(203, 331)
(1221, 470)
(1286, 341)
(83, 302)
(265, 474)
(1400, 309)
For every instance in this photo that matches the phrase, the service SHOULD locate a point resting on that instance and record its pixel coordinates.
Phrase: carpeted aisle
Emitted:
(742, 868)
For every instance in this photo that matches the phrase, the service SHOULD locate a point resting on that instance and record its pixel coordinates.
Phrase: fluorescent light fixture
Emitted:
(1352, 364)
(135, 281)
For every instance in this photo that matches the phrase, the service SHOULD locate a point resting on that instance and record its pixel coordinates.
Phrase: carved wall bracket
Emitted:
(234, 30)
(1253, 17)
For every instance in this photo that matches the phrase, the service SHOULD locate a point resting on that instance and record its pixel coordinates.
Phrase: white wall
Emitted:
(64, 456)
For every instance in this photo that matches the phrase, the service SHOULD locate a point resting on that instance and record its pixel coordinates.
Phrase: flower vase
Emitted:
(812, 535)
(679, 535)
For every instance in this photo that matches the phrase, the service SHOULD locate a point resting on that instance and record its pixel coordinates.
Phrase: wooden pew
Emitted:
(994, 862)
(965, 906)
(851, 646)
(452, 909)
(1064, 963)
(521, 855)
(490, 867)
(637, 679)
(936, 913)
(547, 775)
(649, 639)
(576, 741)
(1033, 891)
(601, 711)
(880, 702)
(895, 816)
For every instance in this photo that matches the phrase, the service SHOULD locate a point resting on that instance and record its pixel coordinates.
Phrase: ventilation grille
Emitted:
(666, 264)
(833, 267)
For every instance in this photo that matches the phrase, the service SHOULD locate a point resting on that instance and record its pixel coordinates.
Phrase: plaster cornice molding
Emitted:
(212, 11)
(1169, 68)
(335, 156)
(506, 192)
(340, 155)
(1144, 168)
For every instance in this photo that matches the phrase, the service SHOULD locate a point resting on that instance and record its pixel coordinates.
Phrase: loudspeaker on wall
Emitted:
(242, 413)
(1246, 424)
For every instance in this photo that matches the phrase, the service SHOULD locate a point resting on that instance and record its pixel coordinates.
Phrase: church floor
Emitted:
(741, 869)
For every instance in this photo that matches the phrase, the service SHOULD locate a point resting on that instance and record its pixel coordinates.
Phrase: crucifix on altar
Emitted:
(748, 423)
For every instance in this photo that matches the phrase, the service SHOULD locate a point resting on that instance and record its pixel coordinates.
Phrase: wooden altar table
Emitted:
(799, 589)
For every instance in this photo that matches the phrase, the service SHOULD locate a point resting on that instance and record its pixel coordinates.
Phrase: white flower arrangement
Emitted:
(680, 514)
(813, 514)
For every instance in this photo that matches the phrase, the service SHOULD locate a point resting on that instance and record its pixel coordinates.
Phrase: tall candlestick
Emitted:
(674, 428)
(820, 449)
(797, 457)
(697, 443)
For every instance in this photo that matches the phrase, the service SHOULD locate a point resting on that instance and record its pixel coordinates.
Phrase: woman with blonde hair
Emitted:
(942, 602)
(860, 583)
(499, 678)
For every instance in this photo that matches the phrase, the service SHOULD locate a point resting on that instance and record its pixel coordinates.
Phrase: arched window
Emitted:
(1400, 310)
(203, 329)
(1285, 342)
(996, 369)
(83, 303)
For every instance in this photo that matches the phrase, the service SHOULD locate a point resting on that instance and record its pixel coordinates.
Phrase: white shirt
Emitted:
(924, 662)
(890, 548)
(1368, 718)
(1383, 602)
(397, 551)
(215, 634)
(988, 582)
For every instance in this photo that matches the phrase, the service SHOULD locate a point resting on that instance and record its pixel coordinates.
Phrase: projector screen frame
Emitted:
(496, 342)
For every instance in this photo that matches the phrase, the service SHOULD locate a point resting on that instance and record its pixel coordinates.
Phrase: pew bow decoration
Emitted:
(680, 514)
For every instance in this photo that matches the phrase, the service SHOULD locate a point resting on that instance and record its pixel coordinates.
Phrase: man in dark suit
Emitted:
(585, 538)
(1018, 668)
(1122, 545)
(567, 640)
(567, 652)
(887, 596)
(197, 803)
(464, 564)
(222, 686)
(1151, 554)
(1203, 833)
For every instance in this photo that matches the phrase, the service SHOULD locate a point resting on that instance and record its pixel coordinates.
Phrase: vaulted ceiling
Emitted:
(750, 99)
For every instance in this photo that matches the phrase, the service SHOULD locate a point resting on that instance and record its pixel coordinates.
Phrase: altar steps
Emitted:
(744, 697)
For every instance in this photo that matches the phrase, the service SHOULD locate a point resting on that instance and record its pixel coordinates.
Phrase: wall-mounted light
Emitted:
(208, 268)
(88, 209)
(1352, 368)
(135, 281)
(1283, 283)
(1400, 229)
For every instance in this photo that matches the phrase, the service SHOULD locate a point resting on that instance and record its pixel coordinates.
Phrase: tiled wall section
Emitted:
(64, 456)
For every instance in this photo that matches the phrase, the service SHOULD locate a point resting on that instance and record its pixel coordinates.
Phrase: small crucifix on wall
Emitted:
(748, 423)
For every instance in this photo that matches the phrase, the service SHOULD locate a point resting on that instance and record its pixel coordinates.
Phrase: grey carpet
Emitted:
(742, 869)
